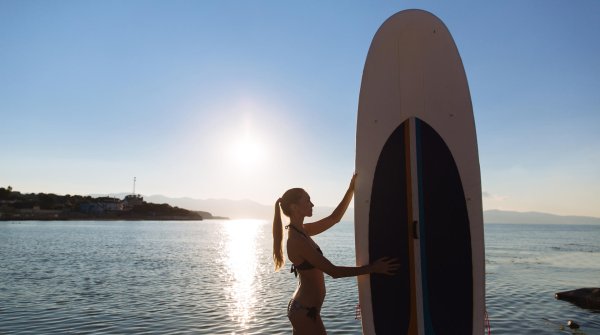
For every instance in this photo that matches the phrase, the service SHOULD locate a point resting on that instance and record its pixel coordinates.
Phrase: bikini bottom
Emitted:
(294, 305)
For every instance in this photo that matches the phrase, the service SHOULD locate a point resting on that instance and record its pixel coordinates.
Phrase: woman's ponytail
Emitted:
(278, 238)
(290, 197)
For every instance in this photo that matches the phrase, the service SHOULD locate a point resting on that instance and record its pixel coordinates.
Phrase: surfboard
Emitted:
(418, 191)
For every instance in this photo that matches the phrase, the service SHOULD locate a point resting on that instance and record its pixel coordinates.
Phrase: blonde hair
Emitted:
(284, 203)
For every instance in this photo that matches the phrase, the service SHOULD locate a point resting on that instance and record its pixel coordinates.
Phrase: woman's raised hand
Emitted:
(386, 265)
(352, 182)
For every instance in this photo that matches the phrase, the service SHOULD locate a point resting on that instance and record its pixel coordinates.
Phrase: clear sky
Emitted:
(244, 99)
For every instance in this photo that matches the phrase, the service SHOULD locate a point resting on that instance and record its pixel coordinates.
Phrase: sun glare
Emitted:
(247, 152)
(246, 139)
(242, 264)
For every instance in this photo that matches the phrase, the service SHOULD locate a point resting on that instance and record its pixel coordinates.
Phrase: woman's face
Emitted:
(304, 206)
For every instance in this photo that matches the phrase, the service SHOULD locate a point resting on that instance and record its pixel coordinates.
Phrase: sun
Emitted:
(247, 152)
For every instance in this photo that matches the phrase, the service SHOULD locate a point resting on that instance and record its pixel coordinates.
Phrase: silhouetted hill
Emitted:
(238, 209)
(15, 205)
(498, 216)
(234, 209)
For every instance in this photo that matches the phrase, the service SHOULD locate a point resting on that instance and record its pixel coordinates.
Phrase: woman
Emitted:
(308, 262)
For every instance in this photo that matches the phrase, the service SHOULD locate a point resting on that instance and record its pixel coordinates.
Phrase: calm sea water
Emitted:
(216, 277)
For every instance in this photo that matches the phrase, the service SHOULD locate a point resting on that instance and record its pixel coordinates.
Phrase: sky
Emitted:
(245, 99)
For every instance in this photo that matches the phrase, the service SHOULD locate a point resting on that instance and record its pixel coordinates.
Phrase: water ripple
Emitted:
(216, 277)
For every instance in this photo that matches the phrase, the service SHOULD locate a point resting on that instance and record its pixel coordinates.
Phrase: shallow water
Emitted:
(216, 277)
(527, 264)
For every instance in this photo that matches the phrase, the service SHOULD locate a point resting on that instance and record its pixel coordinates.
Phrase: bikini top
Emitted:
(306, 264)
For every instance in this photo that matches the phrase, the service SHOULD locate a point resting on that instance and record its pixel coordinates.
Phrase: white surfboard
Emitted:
(418, 193)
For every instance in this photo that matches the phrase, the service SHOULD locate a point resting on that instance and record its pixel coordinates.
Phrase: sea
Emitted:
(217, 277)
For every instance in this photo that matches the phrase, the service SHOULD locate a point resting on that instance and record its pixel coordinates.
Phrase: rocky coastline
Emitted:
(16, 206)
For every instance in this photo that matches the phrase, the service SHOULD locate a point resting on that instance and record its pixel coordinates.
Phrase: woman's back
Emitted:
(311, 281)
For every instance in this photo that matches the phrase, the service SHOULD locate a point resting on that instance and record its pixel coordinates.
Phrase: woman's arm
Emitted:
(320, 226)
(383, 265)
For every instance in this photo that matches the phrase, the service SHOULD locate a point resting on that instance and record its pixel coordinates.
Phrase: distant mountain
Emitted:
(498, 216)
(234, 209)
(244, 209)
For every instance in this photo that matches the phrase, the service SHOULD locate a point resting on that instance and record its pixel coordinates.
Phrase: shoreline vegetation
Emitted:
(49, 207)
(17, 206)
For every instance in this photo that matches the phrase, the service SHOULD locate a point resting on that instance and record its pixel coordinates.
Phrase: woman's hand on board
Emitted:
(386, 265)
(353, 182)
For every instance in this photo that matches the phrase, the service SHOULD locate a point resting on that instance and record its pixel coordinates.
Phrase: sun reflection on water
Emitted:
(241, 262)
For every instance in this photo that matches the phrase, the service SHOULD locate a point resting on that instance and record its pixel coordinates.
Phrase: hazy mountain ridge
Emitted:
(234, 209)
(239, 209)
(499, 216)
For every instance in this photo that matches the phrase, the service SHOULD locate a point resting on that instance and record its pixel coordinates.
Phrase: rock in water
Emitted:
(584, 297)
